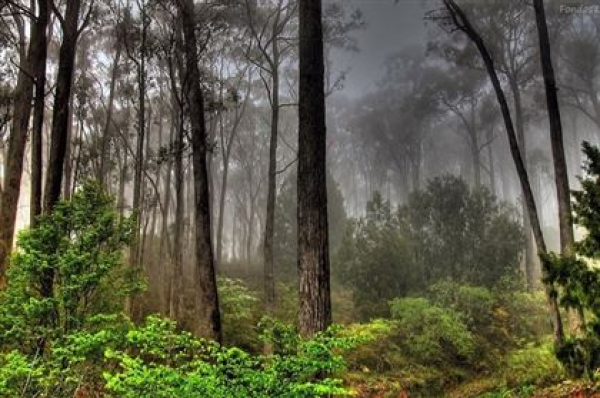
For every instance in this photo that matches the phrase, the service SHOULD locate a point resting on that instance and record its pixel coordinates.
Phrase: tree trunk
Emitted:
(561, 175)
(464, 24)
(39, 71)
(314, 312)
(60, 116)
(16, 144)
(104, 173)
(208, 309)
(269, 269)
(134, 251)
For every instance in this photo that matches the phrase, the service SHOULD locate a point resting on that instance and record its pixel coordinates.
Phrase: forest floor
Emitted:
(485, 388)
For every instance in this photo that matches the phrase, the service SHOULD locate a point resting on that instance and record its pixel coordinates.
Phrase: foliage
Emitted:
(462, 234)
(58, 343)
(534, 364)
(431, 334)
(160, 362)
(66, 269)
(580, 281)
(374, 260)
(239, 313)
(500, 319)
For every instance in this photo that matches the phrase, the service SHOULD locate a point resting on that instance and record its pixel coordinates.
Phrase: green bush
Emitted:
(430, 334)
(240, 308)
(160, 362)
(535, 365)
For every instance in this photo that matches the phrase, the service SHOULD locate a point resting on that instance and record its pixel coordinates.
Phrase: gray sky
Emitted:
(390, 27)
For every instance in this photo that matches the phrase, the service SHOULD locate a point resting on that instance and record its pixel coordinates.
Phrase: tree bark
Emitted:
(16, 143)
(556, 134)
(561, 176)
(60, 116)
(39, 71)
(208, 309)
(268, 254)
(314, 312)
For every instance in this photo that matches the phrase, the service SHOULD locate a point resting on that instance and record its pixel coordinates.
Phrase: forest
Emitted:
(299, 198)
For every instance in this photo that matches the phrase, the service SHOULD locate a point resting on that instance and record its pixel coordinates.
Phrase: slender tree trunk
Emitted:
(134, 251)
(314, 312)
(269, 269)
(561, 175)
(177, 278)
(464, 24)
(208, 310)
(39, 71)
(491, 164)
(556, 133)
(104, 174)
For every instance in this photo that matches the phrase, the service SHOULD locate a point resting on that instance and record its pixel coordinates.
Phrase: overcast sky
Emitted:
(391, 26)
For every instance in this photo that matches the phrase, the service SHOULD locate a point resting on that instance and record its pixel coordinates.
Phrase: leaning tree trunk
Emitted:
(208, 309)
(463, 23)
(314, 312)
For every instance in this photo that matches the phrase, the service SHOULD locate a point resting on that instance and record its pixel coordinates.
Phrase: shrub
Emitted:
(430, 334)
(159, 362)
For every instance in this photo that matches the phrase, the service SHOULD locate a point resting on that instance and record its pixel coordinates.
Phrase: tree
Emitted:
(208, 301)
(39, 71)
(33, 64)
(457, 19)
(272, 51)
(313, 236)
(374, 260)
(461, 234)
(561, 175)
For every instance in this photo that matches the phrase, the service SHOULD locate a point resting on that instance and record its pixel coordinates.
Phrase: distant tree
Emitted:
(461, 234)
(374, 260)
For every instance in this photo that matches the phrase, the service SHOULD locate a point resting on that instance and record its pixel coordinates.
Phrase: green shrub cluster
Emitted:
(62, 332)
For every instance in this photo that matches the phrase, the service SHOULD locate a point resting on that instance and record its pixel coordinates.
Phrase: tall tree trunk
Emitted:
(39, 71)
(16, 145)
(177, 277)
(60, 116)
(314, 312)
(556, 133)
(134, 251)
(208, 310)
(463, 23)
(561, 175)
(268, 255)
(59, 132)
(491, 163)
